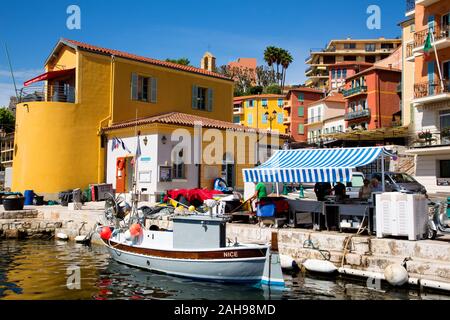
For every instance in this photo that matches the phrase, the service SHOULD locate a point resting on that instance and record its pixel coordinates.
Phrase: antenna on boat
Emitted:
(134, 196)
(11, 70)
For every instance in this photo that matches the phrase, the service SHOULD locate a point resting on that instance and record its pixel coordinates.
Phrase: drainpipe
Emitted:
(101, 175)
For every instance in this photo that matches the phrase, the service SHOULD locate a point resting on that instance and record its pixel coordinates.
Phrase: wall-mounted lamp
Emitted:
(145, 140)
(164, 140)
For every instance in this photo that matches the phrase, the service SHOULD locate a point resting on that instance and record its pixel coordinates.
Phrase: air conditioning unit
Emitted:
(400, 214)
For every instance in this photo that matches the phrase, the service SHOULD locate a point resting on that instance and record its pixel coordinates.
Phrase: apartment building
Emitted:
(322, 116)
(348, 50)
(295, 105)
(264, 111)
(430, 53)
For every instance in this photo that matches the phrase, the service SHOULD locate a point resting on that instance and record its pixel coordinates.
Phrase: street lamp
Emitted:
(271, 118)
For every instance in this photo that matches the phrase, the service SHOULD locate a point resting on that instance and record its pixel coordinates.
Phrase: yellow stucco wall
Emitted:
(174, 92)
(257, 112)
(57, 146)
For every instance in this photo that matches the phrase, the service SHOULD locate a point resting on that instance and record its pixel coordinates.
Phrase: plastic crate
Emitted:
(266, 210)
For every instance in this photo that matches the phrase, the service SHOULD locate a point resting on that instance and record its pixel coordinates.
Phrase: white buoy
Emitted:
(396, 275)
(322, 266)
(62, 236)
(81, 239)
(127, 235)
(287, 262)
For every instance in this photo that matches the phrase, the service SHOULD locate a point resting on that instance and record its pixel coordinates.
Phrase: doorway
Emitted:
(124, 174)
(228, 169)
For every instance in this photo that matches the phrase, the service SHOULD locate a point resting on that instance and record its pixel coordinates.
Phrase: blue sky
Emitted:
(185, 28)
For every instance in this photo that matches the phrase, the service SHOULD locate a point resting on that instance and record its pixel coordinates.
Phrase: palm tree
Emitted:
(286, 60)
(270, 56)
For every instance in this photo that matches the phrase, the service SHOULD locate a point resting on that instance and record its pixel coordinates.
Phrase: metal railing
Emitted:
(365, 113)
(314, 120)
(47, 93)
(355, 90)
(430, 88)
(431, 139)
(439, 32)
(410, 5)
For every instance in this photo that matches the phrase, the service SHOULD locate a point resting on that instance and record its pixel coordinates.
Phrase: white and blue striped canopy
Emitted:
(313, 165)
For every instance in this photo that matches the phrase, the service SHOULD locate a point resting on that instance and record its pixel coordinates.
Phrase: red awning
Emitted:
(49, 76)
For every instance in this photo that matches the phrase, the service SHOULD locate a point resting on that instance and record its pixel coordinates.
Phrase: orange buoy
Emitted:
(135, 230)
(106, 233)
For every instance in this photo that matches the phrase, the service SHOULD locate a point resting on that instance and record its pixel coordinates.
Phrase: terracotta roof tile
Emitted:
(131, 56)
(188, 120)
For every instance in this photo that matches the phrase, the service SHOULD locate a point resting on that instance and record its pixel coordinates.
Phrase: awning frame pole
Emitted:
(383, 186)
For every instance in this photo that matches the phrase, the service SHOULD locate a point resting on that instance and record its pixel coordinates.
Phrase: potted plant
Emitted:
(445, 133)
(425, 135)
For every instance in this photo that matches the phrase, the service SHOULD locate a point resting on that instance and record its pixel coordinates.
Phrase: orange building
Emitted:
(296, 104)
(431, 101)
(249, 64)
(373, 98)
(340, 71)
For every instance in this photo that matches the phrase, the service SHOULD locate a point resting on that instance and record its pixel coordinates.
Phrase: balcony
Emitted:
(47, 93)
(287, 121)
(428, 92)
(427, 139)
(441, 39)
(314, 120)
(354, 91)
(410, 8)
(238, 111)
(352, 115)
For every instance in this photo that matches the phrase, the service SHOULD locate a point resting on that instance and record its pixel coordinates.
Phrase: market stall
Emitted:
(321, 165)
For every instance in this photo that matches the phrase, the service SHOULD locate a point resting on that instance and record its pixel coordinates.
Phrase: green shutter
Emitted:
(134, 86)
(301, 111)
(210, 101)
(301, 129)
(153, 90)
(194, 97)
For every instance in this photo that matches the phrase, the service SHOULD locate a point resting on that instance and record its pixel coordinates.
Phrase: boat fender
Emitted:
(321, 266)
(396, 275)
(81, 239)
(127, 235)
(106, 233)
(287, 262)
(62, 236)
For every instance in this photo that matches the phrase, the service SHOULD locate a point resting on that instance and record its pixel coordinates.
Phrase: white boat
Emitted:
(196, 248)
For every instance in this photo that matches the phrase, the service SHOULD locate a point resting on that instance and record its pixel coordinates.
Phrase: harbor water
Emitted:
(43, 270)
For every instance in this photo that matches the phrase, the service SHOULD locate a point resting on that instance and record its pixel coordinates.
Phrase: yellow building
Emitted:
(265, 111)
(60, 142)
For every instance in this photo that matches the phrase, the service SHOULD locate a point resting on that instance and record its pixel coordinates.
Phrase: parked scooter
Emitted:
(438, 223)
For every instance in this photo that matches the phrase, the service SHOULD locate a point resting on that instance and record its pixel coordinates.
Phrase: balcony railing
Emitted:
(410, 5)
(439, 33)
(427, 89)
(47, 93)
(352, 115)
(314, 120)
(432, 139)
(409, 50)
(355, 90)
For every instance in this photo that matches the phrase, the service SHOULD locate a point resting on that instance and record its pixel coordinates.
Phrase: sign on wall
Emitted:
(165, 174)
(145, 176)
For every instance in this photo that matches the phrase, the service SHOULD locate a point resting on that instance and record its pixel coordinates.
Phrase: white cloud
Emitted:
(6, 91)
(21, 75)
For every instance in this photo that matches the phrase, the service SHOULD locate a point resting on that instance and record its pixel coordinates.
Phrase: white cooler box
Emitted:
(399, 214)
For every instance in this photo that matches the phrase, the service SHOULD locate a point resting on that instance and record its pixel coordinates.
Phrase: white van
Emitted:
(355, 185)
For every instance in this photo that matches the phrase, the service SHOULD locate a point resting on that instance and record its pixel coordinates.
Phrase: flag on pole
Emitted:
(427, 47)
(138, 151)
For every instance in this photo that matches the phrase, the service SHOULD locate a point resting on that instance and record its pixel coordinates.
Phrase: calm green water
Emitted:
(38, 270)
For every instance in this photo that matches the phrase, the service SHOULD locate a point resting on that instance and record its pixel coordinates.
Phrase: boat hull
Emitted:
(232, 265)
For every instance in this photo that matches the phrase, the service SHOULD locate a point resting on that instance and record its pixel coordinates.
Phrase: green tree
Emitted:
(256, 90)
(270, 56)
(7, 120)
(182, 61)
(273, 89)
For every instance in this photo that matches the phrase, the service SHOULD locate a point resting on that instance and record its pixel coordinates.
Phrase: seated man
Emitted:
(340, 191)
(366, 190)
(376, 185)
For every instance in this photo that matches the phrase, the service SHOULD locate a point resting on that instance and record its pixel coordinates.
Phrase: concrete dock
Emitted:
(426, 260)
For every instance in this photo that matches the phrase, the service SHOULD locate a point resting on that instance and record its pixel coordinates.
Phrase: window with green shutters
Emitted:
(301, 111)
(301, 97)
(301, 128)
(250, 119)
